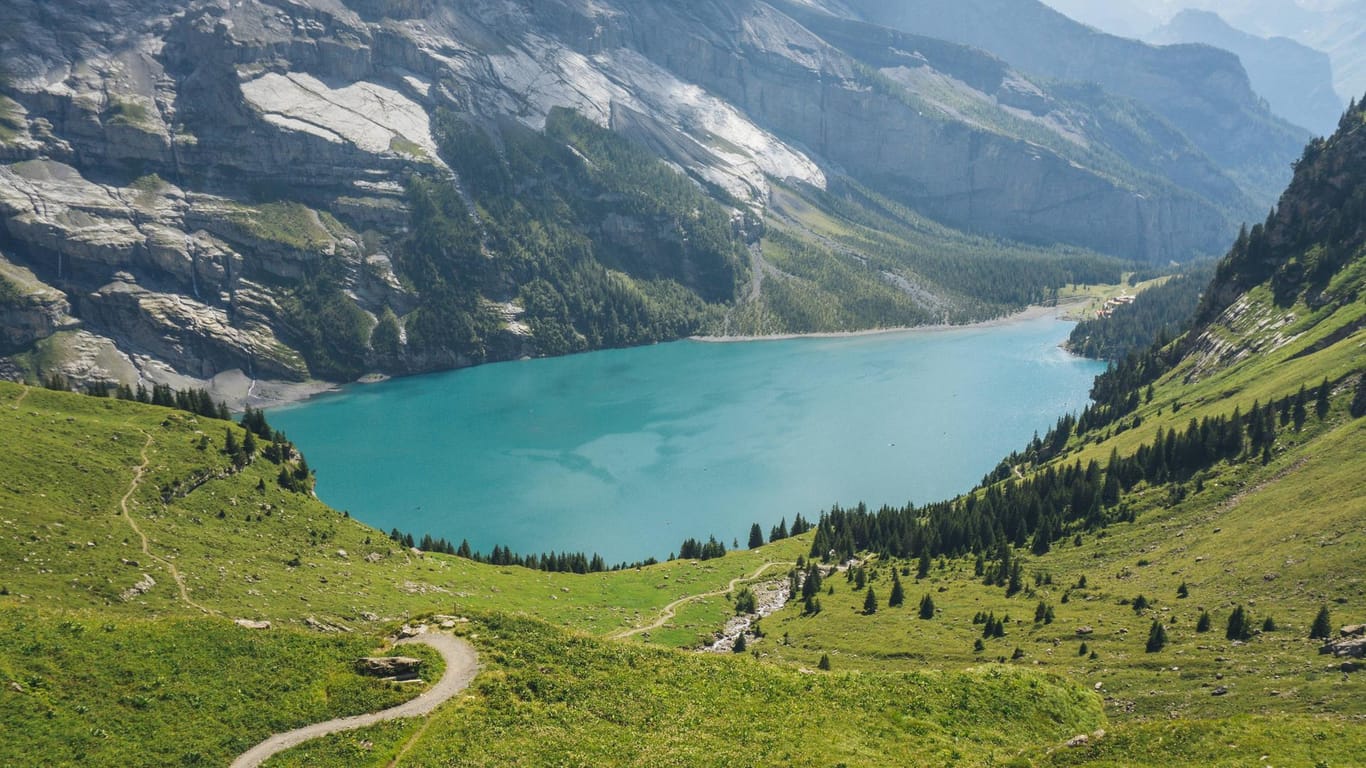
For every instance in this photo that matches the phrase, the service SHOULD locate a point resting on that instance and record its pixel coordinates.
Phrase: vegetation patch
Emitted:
(604, 703)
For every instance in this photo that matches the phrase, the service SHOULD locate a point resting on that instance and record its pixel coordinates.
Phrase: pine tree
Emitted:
(1203, 625)
(779, 531)
(1321, 402)
(230, 446)
(824, 662)
(898, 595)
(1323, 625)
(923, 567)
(756, 536)
(812, 585)
(249, 445)
(1016, 580)
(927, 607)
(1157, 637)
(1359, 400)
(870, 603)
(1300, 414)
(739, 646)
(1183, 591)
(1239, 625)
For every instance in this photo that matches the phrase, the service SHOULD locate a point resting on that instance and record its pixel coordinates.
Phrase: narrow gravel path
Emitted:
(146, 545)
(671, 609)
(461, 666)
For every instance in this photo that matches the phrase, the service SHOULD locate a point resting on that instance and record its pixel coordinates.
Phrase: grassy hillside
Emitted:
(131, 537)
(182, 678)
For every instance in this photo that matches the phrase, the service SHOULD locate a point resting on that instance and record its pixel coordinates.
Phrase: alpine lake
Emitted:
(628, 452)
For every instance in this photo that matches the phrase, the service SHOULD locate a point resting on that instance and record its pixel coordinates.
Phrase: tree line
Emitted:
(1058, 501)
(1163, 310)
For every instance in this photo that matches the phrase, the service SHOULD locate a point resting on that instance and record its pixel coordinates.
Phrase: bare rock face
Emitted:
(389, 666)
(173, 175)
(29, 310)
(1353, 647)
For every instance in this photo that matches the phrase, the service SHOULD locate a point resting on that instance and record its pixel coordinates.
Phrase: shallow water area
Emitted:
(628, 452)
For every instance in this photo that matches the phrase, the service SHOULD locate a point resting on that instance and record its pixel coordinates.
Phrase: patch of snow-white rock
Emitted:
(369, 116)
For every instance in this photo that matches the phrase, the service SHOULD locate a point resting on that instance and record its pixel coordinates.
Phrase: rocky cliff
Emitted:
(195, 189)
(1296, 80)
(1205, 93)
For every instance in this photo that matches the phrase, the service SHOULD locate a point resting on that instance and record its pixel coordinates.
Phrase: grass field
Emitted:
(129, 542)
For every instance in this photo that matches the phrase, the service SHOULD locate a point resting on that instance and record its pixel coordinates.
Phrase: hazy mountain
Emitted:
(1204, 92)
(1336, 27)
(1297, 81)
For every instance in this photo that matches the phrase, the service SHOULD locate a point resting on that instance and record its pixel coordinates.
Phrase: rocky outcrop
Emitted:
(174, 176)
(389, 666)
(29, 310)
(1350, 644)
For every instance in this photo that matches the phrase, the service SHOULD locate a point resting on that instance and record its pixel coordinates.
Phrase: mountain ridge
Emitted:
(208, 188)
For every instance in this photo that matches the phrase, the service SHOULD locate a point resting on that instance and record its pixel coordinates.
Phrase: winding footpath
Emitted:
(462, 664)
(671, 609)
(146, 545)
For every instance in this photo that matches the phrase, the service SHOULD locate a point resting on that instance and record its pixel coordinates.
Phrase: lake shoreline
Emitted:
(261, 393)
(1032, 312)
(626, 452)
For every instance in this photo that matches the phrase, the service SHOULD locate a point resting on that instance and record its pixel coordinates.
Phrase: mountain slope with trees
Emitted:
(249, 196)
(1160, 569)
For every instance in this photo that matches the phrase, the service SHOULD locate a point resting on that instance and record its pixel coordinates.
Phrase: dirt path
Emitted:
(671, 609)
(461, 666)
(146, 545)
(21, 397)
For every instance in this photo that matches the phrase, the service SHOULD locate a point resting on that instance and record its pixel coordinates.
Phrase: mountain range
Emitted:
(1170, 578)
(256, 195)
(1334, 27)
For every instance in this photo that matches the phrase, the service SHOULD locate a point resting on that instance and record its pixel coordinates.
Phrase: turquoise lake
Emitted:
(628, 452)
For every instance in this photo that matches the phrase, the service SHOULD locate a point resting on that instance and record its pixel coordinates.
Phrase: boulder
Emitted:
(142, 587)
(1349, 647)
(249, 624)
(389, 666)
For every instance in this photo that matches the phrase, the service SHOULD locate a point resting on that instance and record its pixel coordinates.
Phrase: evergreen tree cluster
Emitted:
(552, 562)
(991, 626)
(1163, 311)
(1312, 234)
(543, 203)
(196, 401)
(692, 549)
(1055, 502)
(781, 531)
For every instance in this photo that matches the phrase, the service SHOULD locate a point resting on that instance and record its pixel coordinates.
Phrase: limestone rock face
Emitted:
(174, 175)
